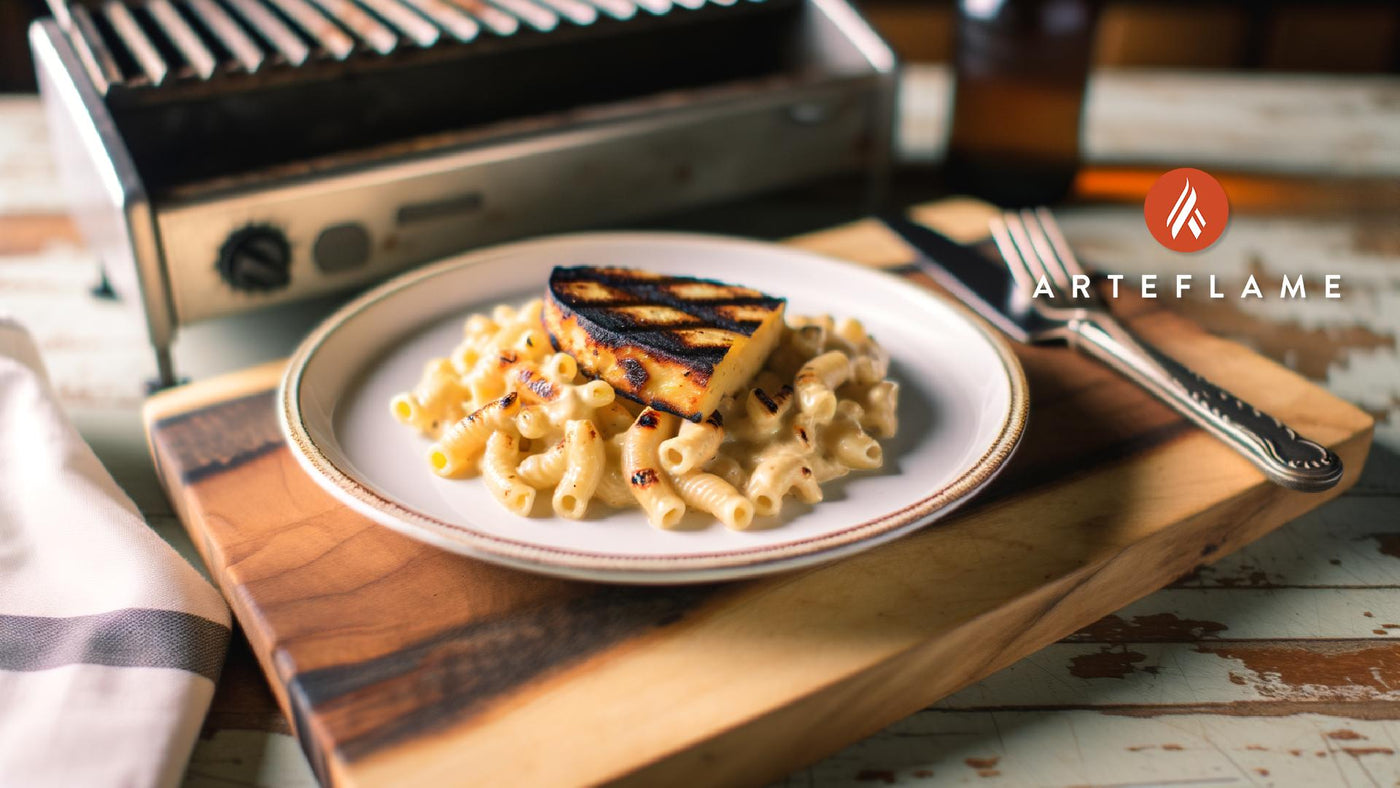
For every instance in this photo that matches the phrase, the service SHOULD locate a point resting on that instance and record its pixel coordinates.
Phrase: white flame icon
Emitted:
(1185, 212)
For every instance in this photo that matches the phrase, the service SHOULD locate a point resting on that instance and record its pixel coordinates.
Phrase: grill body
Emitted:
(226, 155)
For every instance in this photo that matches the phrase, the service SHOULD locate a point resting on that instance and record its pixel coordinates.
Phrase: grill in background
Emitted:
(155, 42)
(226, 155)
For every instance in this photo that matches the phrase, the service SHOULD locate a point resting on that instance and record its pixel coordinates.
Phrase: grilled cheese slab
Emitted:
(675, 343)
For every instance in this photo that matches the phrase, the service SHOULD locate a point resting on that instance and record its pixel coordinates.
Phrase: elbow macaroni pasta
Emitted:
(693, 446)
(584, 459)
(504, 404)
(641, 458)
(498, 469)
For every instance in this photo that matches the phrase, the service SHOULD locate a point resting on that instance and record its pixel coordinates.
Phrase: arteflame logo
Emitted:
(1186, 207)
(1186, 210)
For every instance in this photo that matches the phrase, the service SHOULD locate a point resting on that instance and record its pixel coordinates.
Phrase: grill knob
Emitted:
(256, 258)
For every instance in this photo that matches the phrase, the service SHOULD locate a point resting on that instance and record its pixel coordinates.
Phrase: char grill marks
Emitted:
(688, 318)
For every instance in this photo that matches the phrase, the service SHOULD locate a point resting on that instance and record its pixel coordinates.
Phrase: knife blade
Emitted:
(981, 282)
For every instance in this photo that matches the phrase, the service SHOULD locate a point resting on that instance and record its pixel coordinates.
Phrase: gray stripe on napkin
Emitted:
(131, 638)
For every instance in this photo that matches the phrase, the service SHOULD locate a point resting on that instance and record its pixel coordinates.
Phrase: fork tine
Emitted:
(1058, 242)
(1020, 270)
(1026, 251)
(1046, 251)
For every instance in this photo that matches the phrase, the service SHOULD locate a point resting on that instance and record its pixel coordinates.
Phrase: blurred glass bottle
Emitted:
(1021, 68)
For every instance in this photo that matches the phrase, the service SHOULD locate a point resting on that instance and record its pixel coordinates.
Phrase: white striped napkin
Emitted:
(110, 643)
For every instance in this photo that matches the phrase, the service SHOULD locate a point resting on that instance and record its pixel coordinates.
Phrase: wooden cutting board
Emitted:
(399, 664)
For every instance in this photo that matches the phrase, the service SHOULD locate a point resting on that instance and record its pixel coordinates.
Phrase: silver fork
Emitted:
(1035, 250)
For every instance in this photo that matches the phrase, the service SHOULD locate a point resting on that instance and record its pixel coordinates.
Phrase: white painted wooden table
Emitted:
(1279, 665)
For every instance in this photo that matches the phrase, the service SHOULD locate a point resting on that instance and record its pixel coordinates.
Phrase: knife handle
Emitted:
(1275, 448)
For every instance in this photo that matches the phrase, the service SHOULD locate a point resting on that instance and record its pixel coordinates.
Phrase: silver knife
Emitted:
(988, 286)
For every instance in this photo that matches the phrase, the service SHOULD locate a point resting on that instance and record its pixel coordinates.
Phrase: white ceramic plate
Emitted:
(962, 409)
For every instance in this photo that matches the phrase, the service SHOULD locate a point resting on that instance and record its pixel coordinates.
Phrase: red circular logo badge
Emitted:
(1186, 210)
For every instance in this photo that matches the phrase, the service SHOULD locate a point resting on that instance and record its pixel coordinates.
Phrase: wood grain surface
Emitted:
(401, 664)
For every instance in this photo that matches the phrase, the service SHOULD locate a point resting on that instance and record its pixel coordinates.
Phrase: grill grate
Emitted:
(142, 44)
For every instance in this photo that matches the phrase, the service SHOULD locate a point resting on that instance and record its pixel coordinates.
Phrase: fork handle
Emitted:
(1275, 448)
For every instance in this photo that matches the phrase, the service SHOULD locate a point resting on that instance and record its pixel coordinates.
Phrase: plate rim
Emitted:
(644, 569)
